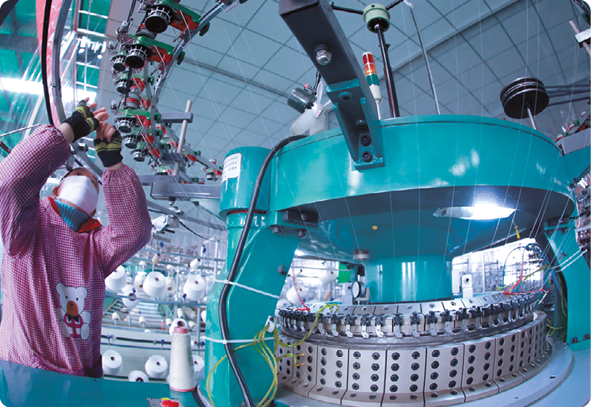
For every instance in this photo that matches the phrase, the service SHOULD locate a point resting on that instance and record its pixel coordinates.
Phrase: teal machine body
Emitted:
(323, 196)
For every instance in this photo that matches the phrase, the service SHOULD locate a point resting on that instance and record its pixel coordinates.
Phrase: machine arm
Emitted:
(317, 29)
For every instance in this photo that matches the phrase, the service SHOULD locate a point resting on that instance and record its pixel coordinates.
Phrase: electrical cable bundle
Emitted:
(224, 329)
(270, 355)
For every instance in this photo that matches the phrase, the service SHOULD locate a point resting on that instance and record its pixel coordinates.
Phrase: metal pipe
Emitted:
(577, 31)
(392, 100)
(181, 143)
(562, 102)
(431, 81)
(57, 83)
(531, 118)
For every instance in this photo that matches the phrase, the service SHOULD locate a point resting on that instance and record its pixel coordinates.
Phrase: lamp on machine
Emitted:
(477, 212)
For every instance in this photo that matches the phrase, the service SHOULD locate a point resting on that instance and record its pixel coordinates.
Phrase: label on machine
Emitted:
(231, 166)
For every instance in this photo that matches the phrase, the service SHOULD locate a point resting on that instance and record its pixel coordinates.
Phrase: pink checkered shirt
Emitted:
(52, 277)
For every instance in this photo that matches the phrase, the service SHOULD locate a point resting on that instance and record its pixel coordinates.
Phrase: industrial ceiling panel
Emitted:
(266, 23)
(251, 102)
(466, 14)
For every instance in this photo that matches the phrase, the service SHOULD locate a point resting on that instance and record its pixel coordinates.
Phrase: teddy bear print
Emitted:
(73, 319)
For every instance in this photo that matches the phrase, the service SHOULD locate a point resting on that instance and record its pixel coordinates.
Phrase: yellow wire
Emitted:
(269, 356)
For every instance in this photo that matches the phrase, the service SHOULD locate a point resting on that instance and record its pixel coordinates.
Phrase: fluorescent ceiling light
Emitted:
(478, 212)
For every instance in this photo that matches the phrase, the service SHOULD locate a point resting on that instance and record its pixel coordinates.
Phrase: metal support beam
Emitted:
(317, 29)
(182, 216)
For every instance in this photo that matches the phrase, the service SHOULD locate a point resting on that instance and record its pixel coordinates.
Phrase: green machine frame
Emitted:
(321, 197)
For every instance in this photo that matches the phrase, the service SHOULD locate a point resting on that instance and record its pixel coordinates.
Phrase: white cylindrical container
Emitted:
(194, 287)
(155, 284)
(112, 363)
(156, 366)
(116, 280)
(138, 281)
(177, 322)
(128, 292)
(182, 373)
(137, 376)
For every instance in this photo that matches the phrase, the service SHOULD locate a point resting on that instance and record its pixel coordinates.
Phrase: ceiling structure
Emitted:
(239, 74)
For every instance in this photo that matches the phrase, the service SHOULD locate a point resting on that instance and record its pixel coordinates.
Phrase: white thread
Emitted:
(182, 374)
(247, 288)
(225, 341)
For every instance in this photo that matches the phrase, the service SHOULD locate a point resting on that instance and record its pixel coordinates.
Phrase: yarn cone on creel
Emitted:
(182, 375)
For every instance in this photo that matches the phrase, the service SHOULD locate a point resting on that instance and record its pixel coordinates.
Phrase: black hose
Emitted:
(236, 262)
(44, 58)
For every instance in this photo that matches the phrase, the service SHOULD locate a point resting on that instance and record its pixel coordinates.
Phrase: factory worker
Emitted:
(56, 256)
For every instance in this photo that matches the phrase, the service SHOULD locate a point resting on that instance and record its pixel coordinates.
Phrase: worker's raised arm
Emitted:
(26, 169)
(130, 226)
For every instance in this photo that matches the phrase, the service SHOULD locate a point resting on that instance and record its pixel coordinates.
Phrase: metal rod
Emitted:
(531, 118)
(392, 100)
(348, 10)
(566, 92)
(393, 4)
(4, 147)
(57, 54)
(19, 130)
(181, 143)
(577, 31)
(431, 81)
(562, 102)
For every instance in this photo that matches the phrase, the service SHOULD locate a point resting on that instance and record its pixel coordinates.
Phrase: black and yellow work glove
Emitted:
(82, 121)
(109, 152)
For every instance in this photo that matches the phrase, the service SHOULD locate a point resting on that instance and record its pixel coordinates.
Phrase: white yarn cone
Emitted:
(204, 316)
(143, 263)
(170, 285)
(182, 374)
(192, 325)
(292, 295)
(138, 281)
(198, 363)
(112, 363)
(156, 259)
(137, 376)
(155, 284)
(156, 366)
(168, 322)
(194, 287)
(116, 280)
(177, 322)
(190, 312)
(129, 303)
(142, 320)
(115, 317)
(326, 276)
(180, 313)
(194, 264)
